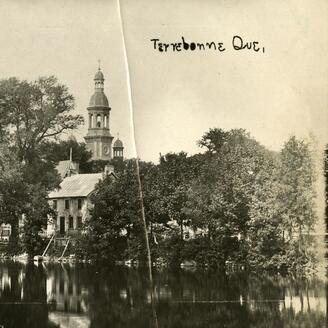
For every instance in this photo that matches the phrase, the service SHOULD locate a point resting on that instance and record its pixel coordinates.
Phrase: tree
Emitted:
(114, 230)
(221, 195)
(298, 196)
(283, 210)
(35, 214)
(246, 204)
(31, 115)
(32, 112)
(267, 248)
(175, 174)
(13, 194)
(56, 151)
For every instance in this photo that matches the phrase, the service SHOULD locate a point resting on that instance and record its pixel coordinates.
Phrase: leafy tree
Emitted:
(97, 166)
(31, 115)
(175, 174)
(283, 210)
(298, 177)
(35, 213)
(13, 194)
(246, 204)
(167, 203)
(94, 166)
(220, 197)
(298, 197)
(115, 227)
(56, 151)
(265, 230)
(35, 111)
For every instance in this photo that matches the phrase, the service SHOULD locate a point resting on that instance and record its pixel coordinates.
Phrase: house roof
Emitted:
(64, 166)
(77, 185)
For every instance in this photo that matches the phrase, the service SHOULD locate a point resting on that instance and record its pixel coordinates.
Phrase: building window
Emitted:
(79, 222)
(79, 204)
(98, 121)
(66, 204)
(70, 222)
(54, 204)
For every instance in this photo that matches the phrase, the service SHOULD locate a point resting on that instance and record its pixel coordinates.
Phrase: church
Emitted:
(99, 139)
(72, 200)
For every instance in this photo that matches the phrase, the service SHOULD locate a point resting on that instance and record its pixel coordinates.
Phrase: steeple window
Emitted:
(98, 121)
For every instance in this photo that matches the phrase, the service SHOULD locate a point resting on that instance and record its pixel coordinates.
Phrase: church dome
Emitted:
(118, 144)
(99, 75)
(98, 99)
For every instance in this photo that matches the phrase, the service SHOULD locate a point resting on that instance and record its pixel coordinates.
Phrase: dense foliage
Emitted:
(32, 117)
(236, 203)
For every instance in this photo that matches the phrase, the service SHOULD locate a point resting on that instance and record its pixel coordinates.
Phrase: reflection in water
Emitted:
(67, 295)
(23, 300)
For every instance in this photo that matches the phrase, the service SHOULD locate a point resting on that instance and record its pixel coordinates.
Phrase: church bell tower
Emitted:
(99, 139)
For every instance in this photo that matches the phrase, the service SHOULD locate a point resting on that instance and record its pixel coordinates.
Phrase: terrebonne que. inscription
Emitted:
(238, 43)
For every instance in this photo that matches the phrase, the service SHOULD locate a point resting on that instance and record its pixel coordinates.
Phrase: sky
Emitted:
(178, 96)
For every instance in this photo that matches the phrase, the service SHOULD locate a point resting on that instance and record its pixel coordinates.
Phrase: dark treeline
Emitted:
(236, 203)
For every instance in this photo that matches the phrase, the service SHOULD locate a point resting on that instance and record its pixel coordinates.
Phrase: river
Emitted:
(81, 295)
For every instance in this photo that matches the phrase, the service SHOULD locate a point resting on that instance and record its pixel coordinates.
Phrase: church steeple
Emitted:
(99, 98)
(99, 139)
(99, 79)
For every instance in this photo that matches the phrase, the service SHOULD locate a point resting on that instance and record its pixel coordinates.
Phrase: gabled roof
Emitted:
(77, 185)
(64, 166)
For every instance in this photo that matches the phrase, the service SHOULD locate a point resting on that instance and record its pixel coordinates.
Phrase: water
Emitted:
(68, 295)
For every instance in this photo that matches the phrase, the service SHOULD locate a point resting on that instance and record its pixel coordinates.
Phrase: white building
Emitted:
(72, 202)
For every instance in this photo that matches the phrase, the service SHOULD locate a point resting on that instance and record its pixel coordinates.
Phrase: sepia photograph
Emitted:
(163, 164)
